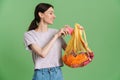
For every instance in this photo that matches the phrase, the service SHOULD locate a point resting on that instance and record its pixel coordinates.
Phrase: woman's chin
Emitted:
(50, 23)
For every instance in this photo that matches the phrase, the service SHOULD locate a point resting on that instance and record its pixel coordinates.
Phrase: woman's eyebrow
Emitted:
(51, 11)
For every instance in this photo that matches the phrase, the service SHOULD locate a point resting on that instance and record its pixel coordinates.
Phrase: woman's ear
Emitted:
(40, 15)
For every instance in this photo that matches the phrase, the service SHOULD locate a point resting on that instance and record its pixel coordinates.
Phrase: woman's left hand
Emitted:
(81, 27)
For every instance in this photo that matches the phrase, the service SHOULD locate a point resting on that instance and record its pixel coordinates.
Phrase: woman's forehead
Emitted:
(50, 10)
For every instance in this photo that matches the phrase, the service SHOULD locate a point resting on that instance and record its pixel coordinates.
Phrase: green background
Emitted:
(100, 18)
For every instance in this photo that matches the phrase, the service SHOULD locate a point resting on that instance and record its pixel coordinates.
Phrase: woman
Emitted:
(45, 44)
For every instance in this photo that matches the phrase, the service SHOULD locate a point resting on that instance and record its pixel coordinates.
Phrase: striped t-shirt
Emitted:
(54, 57)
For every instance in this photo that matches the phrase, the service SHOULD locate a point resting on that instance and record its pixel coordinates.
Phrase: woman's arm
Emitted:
(64, 46)
(44, 51)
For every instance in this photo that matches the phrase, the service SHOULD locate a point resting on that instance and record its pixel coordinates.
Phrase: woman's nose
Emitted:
(54, 16)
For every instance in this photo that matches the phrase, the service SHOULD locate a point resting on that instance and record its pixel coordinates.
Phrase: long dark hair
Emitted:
(41, 7)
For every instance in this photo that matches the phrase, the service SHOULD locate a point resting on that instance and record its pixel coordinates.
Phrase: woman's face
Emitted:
(49, 16)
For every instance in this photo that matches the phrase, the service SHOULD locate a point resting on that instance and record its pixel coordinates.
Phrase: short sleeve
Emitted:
(28, 39)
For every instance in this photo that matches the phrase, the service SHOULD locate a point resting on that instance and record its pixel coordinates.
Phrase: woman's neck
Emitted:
(42, 27)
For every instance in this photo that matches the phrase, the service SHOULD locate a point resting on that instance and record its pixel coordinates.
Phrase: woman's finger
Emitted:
(81, 28)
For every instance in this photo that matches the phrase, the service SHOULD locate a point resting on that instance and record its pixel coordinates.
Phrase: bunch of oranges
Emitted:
(78, 60)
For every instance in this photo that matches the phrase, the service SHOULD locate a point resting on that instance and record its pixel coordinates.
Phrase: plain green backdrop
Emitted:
(100, 18)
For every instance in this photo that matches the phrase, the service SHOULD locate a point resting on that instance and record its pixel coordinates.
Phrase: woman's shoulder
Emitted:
(28, 32)
(53, 29)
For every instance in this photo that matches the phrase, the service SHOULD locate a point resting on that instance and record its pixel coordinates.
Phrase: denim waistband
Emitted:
(48, 69)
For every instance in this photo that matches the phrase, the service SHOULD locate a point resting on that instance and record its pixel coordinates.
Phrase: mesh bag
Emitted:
(77, 53)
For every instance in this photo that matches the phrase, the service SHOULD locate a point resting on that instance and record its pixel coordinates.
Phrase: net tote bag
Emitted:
(77, 53)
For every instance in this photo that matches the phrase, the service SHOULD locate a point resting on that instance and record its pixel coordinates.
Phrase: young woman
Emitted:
(45, 44)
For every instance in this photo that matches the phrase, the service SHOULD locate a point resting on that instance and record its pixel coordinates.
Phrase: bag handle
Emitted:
(83, 38)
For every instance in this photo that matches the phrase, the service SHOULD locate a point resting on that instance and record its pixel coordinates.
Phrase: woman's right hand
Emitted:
(62, 32)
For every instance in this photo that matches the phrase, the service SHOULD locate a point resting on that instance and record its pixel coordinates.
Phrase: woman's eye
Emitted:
(50, 13)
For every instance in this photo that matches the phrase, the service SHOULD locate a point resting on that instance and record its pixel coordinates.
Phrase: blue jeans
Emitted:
(54, 73)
